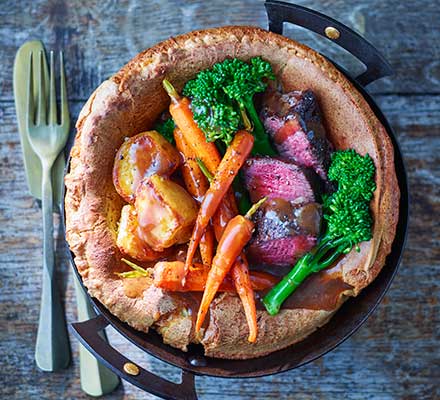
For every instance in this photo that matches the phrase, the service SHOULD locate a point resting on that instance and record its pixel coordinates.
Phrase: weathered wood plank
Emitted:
(394, 355)
(98, 36)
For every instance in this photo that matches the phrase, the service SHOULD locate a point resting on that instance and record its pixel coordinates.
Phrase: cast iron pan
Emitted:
(345, 322)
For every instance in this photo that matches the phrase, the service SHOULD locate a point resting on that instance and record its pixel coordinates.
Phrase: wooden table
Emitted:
(395, 354)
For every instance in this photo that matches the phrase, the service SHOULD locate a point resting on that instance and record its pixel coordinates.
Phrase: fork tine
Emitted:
(52, 93)
(65, 120)
(41, 114)
(30, 93)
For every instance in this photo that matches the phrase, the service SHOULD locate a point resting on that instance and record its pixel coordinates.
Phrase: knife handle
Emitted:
(96, 379)
(52, 351)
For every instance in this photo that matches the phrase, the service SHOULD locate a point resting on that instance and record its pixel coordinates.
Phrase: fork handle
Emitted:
(52, 351)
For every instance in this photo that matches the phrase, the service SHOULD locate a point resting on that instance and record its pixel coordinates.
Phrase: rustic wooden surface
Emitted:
(395, 354)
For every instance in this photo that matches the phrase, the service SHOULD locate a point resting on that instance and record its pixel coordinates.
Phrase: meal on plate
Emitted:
(229, 188)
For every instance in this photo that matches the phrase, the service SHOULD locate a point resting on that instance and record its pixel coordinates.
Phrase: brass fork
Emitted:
(47, 138)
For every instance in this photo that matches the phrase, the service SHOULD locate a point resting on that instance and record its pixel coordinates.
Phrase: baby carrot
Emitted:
(236, 235)
(243, 286)
(206, 246)
(197, 185)
(232, 161)
(195, 180)
(240, 269)
(196, 143)
(182, 115)
(227, 208)
(208, 153)
(168, 276)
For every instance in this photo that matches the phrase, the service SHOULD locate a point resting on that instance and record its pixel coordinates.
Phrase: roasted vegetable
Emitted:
(241, 195)
(141, 156)
(166, 212)
(180, 110)
(222, 100)
(237, 234)
(168, 276)
(231, 163)
(128, 240)
(195, 181)
(197, 185)
(348, 223)
(245, 290)
(209, 157)
(353, 173)
(206, 152)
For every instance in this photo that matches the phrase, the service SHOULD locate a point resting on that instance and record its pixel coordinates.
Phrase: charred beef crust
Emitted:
(278, 218)
(321, 149)
(283, 232)
(287, 225)
(297, 113)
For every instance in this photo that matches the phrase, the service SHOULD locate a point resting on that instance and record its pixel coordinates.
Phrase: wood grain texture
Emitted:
(394, 355)
(99, 36)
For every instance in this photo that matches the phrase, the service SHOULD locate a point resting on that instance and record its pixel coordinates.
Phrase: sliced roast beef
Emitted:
(284, 232)
(274, 178)
(293, 120)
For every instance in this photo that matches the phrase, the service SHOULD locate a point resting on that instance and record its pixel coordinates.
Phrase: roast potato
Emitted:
(166, 212)
(141, 156)
(128, 240)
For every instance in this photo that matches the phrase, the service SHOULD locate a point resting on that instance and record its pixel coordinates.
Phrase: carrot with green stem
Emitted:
(195, 180)
(197, 185)
(236, 235)
(180, 110)
(206, 152)
(240, 270)
(233, 160)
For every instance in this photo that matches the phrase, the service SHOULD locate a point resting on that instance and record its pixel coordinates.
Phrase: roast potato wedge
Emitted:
(128, 240)
(166, 212)
(141, 156)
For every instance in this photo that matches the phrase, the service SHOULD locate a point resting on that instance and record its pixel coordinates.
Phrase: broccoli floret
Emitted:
(351, 170)
(166, 129)
(218, 121)
(348, 220)
(222, 100)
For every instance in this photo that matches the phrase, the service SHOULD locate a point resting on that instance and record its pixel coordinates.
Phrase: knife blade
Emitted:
(96, 379)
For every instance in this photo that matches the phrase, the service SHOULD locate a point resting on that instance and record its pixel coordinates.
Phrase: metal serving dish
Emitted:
(344, 323)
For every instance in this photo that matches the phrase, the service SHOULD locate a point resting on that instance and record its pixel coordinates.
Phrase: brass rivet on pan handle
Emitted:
(131, 369)
(332, 33)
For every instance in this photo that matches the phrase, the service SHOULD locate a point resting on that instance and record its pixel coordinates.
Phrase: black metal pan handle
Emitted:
(279, 12)
(88, 332)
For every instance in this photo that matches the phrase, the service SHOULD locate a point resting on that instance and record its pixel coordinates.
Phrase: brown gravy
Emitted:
(320, 291)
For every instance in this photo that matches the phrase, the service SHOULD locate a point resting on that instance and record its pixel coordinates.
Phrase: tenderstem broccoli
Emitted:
(348, 221)
(222, 100)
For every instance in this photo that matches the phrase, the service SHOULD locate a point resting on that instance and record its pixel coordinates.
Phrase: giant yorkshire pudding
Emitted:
(129, 103)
